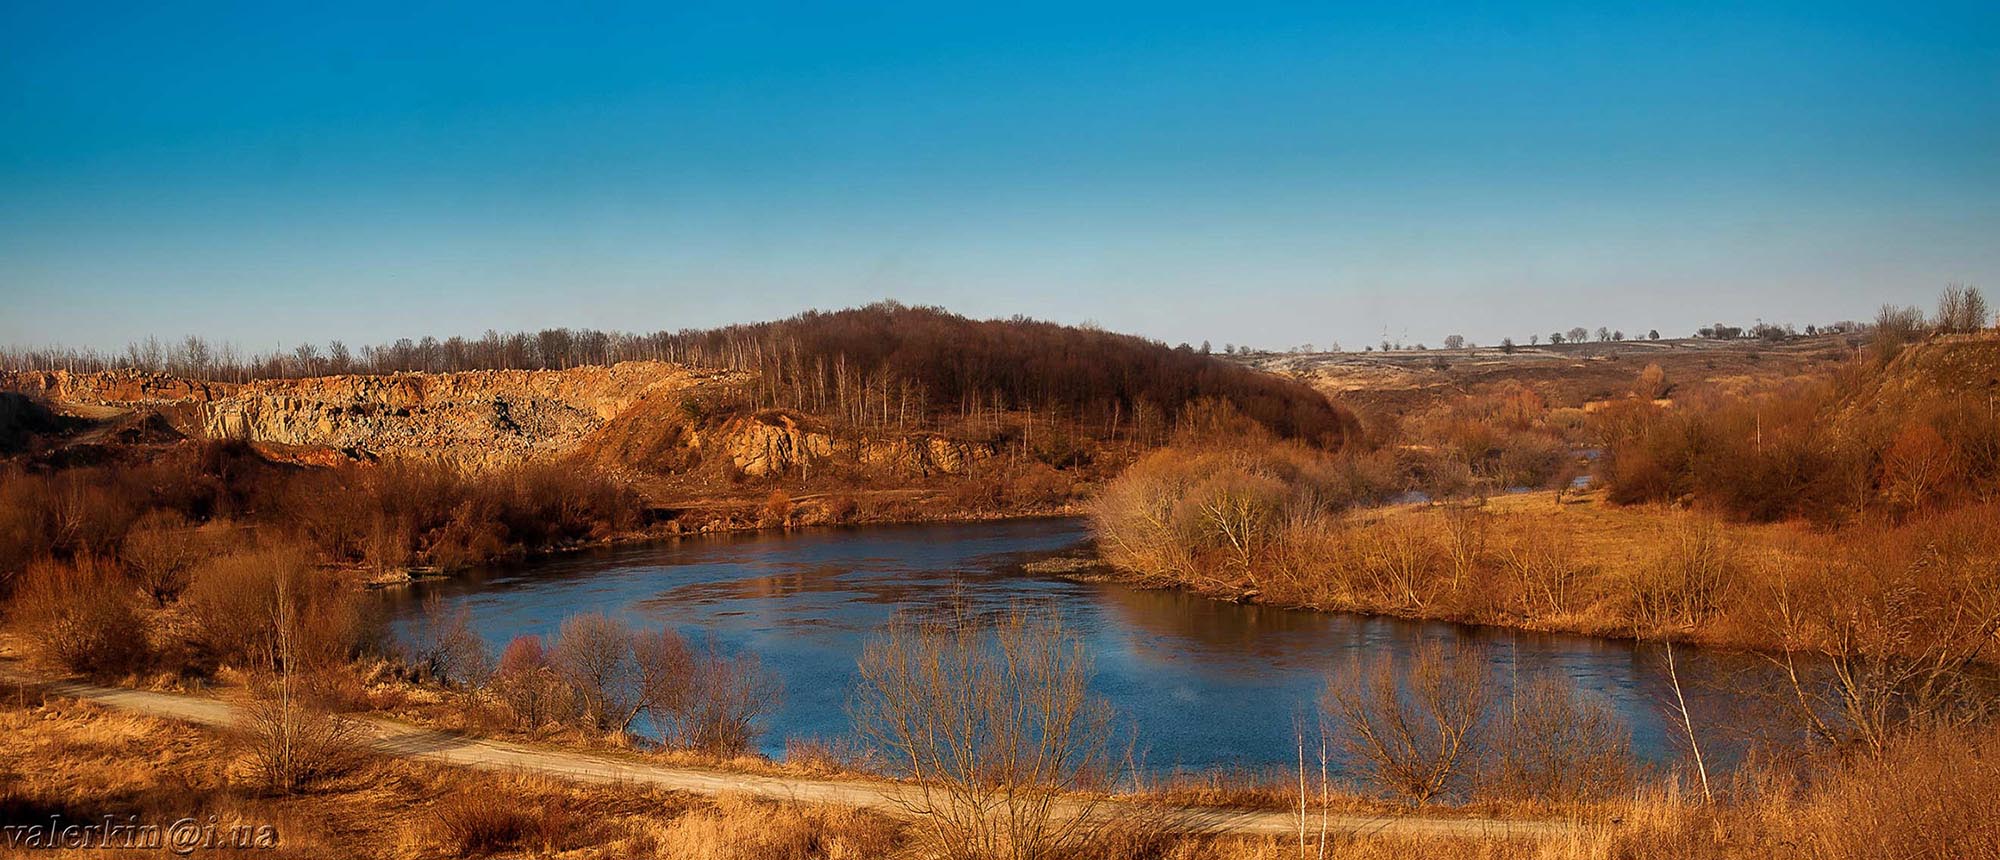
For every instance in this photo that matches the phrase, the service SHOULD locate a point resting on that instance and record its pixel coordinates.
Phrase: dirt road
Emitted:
(398, 739)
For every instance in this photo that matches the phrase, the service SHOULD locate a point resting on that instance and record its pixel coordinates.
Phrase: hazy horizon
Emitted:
(1249, 175)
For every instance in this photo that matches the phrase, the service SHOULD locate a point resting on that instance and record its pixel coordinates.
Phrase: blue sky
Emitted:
(1240, 172)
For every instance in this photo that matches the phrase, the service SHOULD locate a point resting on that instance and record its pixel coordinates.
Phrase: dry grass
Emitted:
(740, 828)
(82, 762)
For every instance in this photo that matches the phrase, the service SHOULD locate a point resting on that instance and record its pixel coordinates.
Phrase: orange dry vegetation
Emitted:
(1928, 797)
(82, 762)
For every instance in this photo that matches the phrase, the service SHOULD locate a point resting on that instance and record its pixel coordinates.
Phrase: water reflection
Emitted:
(1202, 684)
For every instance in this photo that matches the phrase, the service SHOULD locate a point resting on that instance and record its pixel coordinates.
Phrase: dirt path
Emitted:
(402, 740)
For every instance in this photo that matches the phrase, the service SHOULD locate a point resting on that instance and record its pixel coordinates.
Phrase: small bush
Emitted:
(162, 550)
(295, 742)
(530, 686)
(471, 824)
(1417, 729)
(83, 615)
(443, 647)
(1561, 745)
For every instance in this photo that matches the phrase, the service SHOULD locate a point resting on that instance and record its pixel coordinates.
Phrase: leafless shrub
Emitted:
(295, 742)
(81, 614)
(1902, 622)
(704, 699)
(777, 510)
(1235, 512)
(1135, 521)
(1896, 327)
(443, 646)
(743, 828)
(233, 597)
(1928, 794)
(1415, 727)
(161, 549)
(530, 687)
(1558, 744)
(1918, 466)
(995, 723)
(1400, 560)
(470, 824)
(1530, 460)
(1463, 529)
(1546, 569)
(593, 655)
(1652, 383)
(1683, 586)
(1961, 308)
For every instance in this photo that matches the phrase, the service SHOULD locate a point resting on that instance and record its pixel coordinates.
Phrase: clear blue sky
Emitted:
(1238, 172)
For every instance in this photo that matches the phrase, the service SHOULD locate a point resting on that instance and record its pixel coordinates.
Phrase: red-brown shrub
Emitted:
(81, 614)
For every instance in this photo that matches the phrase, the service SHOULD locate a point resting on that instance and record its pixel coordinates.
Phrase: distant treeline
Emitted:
(884, 363)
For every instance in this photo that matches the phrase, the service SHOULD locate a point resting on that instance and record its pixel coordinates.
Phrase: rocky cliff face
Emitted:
(475, 419)
(923, 454)
(772, 443)
(113, 388)
(779, 442)
(649, 416)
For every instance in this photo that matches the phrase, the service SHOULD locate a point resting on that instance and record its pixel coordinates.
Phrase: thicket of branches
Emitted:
(148, 517)
(1826, 452)
(884, 363)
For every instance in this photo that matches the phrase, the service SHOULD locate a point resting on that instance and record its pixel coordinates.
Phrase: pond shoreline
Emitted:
(1205, 682)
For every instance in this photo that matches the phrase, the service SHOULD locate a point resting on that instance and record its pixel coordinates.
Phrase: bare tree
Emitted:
(530, 685)
(593, 655)
(1960, 309)
(294, 742)
(1414, 726)
(666, 668)
(994, 721)
(1454, 341)
(1686, 720)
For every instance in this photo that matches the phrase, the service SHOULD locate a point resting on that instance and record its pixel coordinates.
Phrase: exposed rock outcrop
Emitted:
(923, 454)
(780, 441)
(773, 442)
(474, 419)
(650, 417)
(113, 387)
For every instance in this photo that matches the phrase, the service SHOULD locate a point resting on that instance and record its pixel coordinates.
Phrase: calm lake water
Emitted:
(1201, 684)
